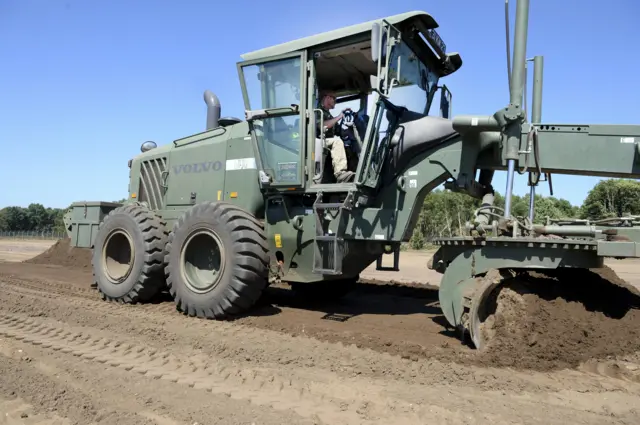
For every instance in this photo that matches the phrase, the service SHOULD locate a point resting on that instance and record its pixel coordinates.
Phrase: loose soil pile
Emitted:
(543, 323)
(63, 254)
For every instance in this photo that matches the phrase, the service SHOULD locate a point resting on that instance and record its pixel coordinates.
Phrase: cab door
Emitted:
(274, 91)
(384, 36)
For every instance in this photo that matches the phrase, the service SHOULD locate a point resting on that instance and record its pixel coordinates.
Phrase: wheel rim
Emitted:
(202, 259)
(117, 256)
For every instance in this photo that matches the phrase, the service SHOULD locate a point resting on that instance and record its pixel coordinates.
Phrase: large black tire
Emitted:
(135, 235)
(222, 236)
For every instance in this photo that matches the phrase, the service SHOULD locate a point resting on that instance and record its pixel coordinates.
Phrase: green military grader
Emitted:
(217, 216)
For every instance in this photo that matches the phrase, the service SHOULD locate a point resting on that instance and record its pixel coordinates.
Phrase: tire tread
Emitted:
(250, 272)
(154, 231)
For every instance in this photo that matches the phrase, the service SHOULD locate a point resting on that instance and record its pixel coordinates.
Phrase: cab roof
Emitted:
(426, 21)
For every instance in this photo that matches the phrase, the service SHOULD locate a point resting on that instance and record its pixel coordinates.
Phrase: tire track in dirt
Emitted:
(402, 378)
(235, 382)
(33, 397)
(368, 332)
(131, 357)
(245, 341)
(88, 393)
(439, 392)
(18, 412)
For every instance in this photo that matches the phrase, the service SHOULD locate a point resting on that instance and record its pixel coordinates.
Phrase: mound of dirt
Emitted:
(63, 254)
(543, 323)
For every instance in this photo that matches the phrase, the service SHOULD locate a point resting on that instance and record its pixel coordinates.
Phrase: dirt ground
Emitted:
(67, 357)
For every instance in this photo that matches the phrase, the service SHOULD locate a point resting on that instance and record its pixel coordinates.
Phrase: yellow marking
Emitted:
(133, 195)
(219, 194)
(278, 240)
(233, 194)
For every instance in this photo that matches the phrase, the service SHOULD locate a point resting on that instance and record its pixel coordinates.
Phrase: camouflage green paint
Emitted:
(619, 249)
(291, 230)
(395, 208)
(83, 219)
(218, 164)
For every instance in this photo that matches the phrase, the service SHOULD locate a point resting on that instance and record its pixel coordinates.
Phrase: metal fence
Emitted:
(33, 234)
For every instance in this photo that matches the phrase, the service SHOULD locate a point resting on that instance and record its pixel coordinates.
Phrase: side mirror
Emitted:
(445, 102)
(375, 42)
(452, 62)
(147, 146)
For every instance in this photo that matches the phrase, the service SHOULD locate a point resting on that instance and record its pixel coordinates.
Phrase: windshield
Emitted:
(414, 86)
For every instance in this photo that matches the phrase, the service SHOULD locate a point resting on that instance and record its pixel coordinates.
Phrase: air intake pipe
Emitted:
(213, 109)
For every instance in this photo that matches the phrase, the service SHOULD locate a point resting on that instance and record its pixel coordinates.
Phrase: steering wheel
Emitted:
(348, 118)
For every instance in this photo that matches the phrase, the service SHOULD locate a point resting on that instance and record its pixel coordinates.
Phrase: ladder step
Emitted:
(327, 271)
(327, 206)
(329, 250)
(328, 238)
(328, 255)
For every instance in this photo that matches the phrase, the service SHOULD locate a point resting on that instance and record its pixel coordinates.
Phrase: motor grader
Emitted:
(217, 216)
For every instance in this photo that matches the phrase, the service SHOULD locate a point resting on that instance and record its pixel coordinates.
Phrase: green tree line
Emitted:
(443, 213)
(34, 218)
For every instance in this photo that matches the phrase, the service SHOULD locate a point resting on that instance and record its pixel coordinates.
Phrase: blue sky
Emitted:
(84, 83)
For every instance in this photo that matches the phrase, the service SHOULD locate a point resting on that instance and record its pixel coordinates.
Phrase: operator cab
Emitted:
(386, 72)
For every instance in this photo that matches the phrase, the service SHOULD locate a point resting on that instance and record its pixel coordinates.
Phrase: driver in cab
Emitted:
(333, 140)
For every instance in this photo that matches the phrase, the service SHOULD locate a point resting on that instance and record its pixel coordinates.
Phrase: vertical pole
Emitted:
(536, 117)
(536, 103)
(516, 89)
(519, 51)
(507, 198)
(532, 206)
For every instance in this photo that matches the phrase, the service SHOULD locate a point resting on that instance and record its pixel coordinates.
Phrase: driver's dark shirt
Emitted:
(331, 132)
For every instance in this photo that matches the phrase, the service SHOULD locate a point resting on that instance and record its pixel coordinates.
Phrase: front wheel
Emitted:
(217, 261)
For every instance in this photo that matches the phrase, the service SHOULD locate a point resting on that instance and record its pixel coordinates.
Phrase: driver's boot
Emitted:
(345, 176)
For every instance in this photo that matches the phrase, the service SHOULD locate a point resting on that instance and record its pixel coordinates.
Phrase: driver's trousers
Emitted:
(338, 154)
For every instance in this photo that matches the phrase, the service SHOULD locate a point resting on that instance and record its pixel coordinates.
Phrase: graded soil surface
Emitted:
(16, 250)
(380, 355)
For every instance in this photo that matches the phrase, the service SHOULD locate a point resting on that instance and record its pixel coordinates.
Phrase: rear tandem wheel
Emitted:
(128, 254)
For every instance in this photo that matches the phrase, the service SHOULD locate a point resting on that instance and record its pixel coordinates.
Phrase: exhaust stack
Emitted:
(213, 109)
